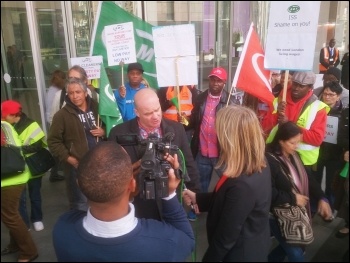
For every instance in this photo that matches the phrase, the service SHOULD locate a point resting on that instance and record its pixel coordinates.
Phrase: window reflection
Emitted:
(83, 20)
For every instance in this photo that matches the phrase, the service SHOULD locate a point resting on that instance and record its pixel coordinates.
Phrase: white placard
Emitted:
(175, 52)
(166, 68)
(172, 41)
(120, 43)
(291, 36)
(331, 130)
(319, 81)
(92, 65)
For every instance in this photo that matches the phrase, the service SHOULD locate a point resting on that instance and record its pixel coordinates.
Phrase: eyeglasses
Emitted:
(329, 95)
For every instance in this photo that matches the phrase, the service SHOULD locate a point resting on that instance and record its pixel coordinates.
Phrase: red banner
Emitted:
(251, 76)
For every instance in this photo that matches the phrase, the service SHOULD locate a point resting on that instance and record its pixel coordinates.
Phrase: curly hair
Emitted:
(104, 172)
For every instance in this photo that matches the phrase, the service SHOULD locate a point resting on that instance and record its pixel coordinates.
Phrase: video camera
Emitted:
(153, 178)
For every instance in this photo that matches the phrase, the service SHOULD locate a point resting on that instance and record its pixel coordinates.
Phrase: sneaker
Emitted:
(191, 216)
(38, 226)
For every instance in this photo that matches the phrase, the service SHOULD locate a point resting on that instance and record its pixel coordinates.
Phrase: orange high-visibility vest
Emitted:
(326, 58)
(185, 102)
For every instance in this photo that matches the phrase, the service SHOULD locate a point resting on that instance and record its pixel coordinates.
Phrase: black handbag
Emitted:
(40, 162)
(12, 161)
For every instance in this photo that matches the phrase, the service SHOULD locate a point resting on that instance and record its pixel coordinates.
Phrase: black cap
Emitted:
(136, 66)
(335, 72)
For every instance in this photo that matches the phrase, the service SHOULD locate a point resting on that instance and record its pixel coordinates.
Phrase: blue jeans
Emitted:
(205, 167)
(34, 191)
(278, 254)
(77, 200)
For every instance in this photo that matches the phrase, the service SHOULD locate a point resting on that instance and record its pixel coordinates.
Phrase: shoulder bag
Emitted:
(294, 224)
(12, 161)
(293, 220)
(40, 162)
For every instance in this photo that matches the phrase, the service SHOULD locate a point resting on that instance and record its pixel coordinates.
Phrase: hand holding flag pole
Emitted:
(184, 121)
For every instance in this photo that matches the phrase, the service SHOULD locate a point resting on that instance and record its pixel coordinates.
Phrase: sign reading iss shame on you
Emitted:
(291, 37)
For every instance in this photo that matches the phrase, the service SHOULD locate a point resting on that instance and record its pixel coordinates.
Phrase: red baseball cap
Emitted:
(219, 72)
(10, 107)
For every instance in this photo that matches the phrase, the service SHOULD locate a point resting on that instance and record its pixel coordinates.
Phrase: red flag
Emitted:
(251, 76)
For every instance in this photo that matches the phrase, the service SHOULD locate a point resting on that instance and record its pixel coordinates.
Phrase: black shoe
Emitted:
(341, 234)
(55, 178)
(328, 220)
(7, 251)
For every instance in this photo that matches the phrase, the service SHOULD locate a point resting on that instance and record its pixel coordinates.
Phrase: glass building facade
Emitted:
(40, 37)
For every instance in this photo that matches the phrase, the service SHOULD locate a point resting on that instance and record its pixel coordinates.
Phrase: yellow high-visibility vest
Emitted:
(308, 153)
(13, 138)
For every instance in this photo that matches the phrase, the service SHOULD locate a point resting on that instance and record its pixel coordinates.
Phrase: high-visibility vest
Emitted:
(13, 138)
(33, 133)
(308, 153)
(185, 97)
(326, 58)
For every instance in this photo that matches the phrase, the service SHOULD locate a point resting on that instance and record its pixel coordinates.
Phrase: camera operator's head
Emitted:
(105, 175)
(147, 108)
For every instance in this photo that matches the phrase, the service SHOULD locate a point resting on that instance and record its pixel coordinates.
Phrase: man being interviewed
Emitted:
(149, 121)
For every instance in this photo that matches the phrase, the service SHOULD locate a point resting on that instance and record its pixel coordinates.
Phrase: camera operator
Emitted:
(149, 121)
(109, 230)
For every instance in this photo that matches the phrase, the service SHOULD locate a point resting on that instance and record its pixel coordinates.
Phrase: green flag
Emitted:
(175, 101)
(107, 106)
(109, 14)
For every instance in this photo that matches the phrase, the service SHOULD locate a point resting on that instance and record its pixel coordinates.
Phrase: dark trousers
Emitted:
(332, 167)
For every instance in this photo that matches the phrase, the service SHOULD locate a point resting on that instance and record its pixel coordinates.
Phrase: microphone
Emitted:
(169, 137)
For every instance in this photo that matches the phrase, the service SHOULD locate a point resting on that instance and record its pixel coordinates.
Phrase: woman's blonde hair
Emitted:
(241, 141)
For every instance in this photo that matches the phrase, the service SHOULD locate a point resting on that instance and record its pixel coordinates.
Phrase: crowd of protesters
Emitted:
(114, 202)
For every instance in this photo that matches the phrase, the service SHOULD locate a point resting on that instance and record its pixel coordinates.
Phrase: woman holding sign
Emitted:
(331, 153)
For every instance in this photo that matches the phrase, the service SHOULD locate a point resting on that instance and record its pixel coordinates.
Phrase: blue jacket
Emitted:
(126, 105)
(167, 241)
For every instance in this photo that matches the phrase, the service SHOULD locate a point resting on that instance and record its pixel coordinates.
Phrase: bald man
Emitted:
(149, 121)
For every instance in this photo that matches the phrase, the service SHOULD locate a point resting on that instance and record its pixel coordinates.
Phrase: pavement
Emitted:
(325, 248)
